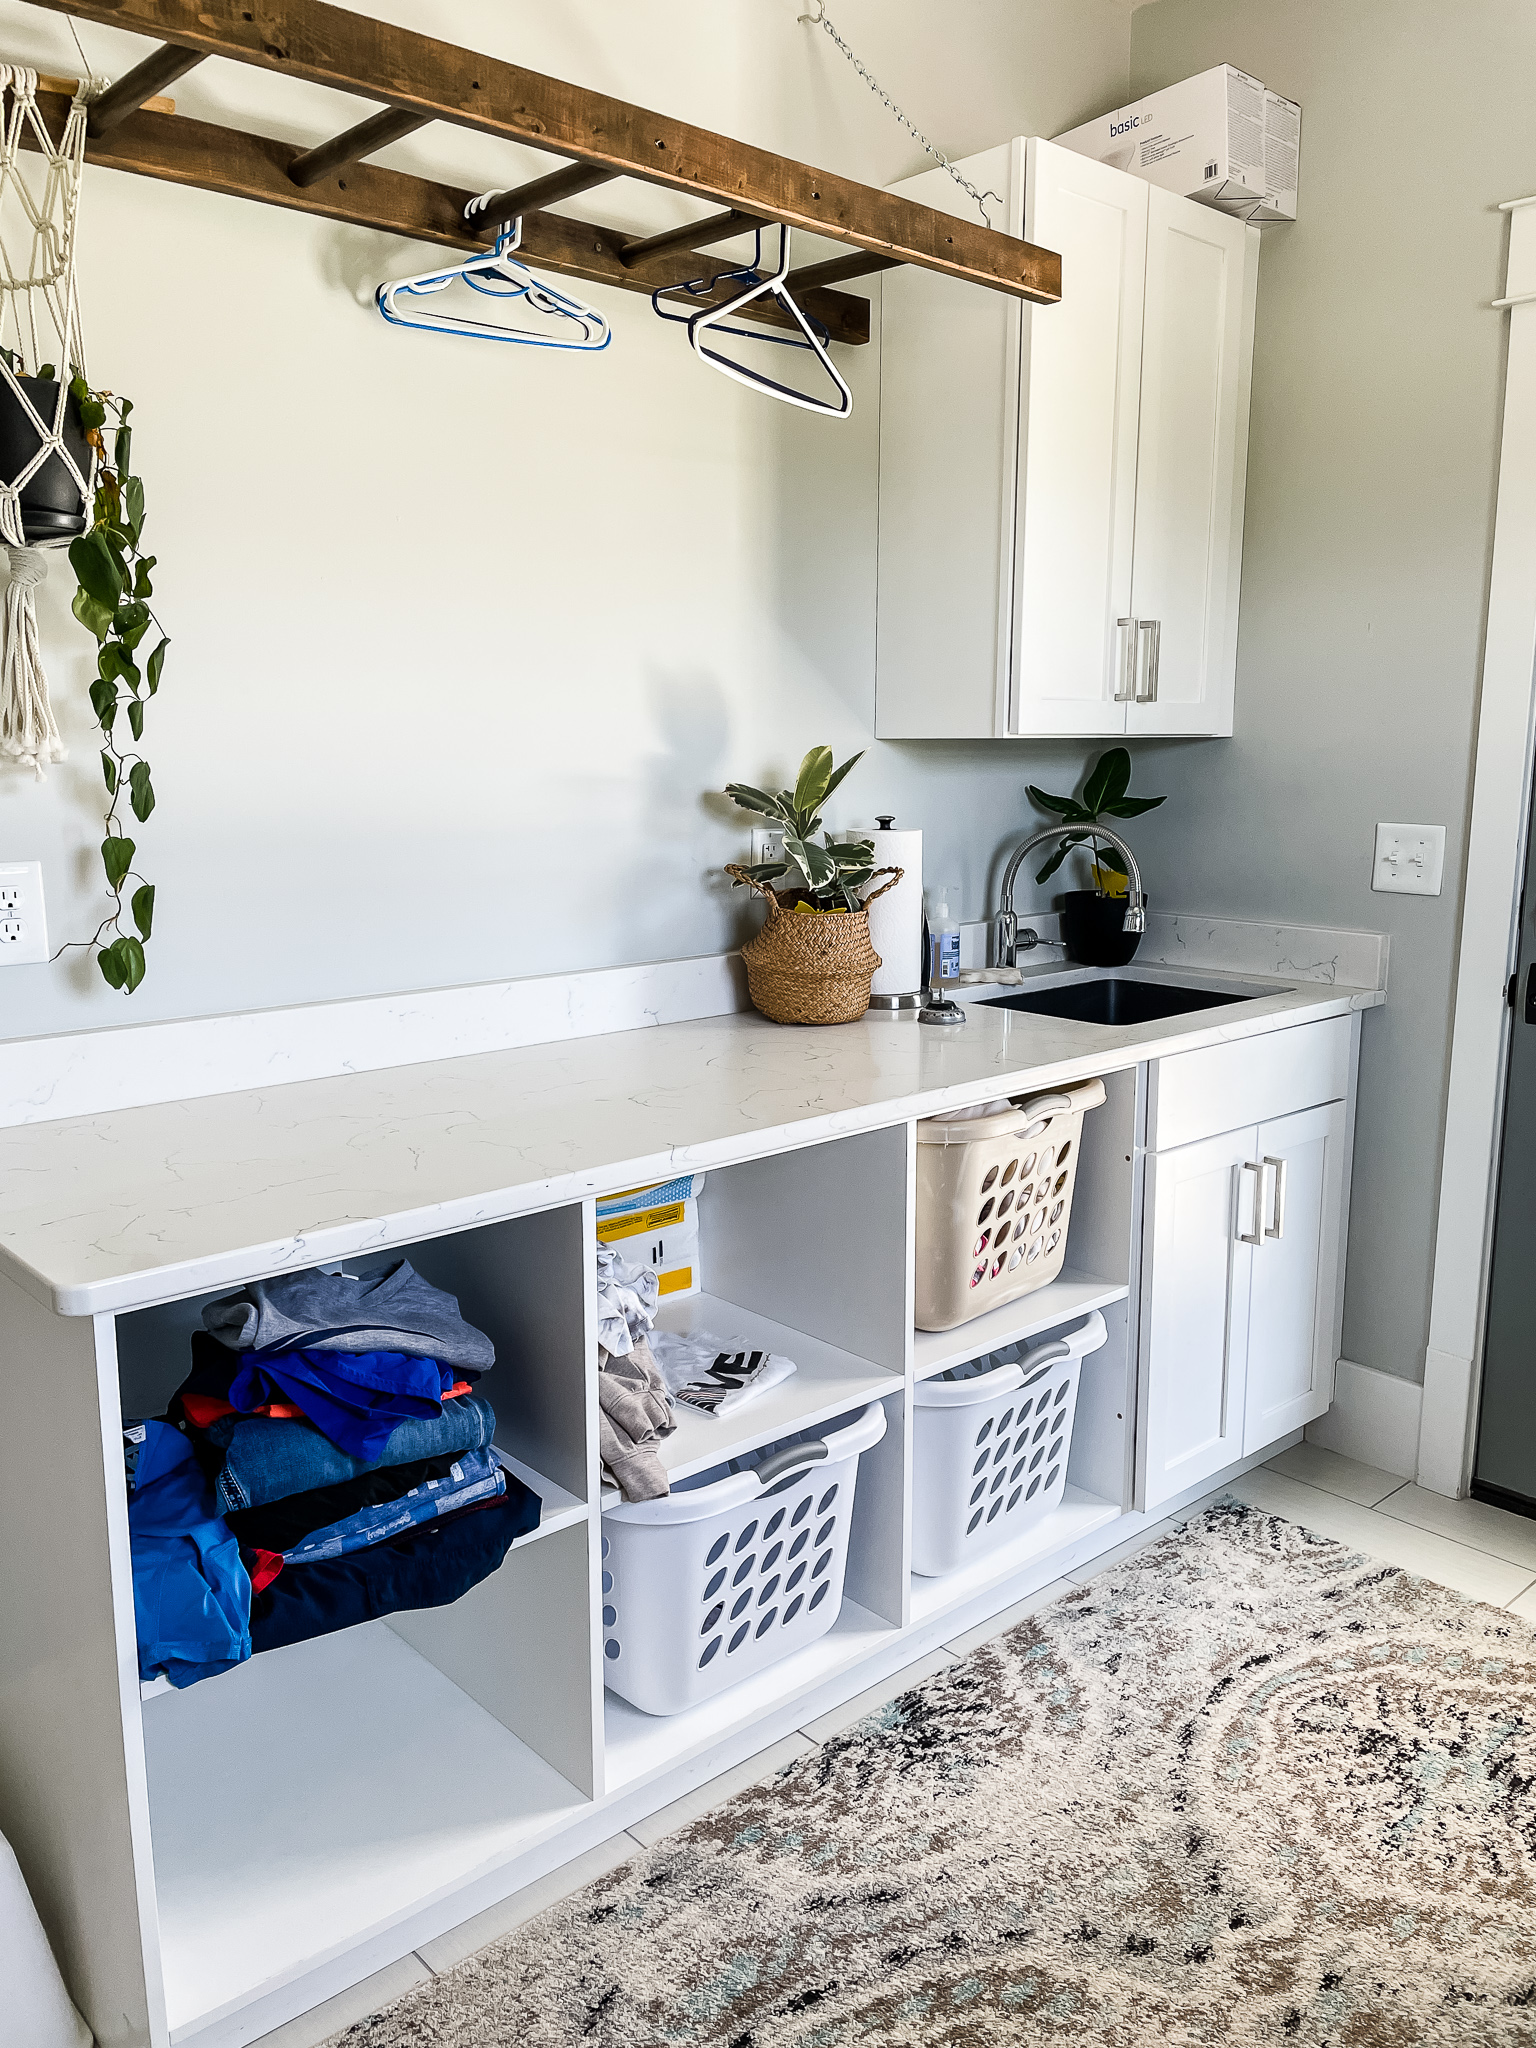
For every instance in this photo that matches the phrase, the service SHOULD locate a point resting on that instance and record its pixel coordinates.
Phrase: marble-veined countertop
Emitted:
(121, 1210)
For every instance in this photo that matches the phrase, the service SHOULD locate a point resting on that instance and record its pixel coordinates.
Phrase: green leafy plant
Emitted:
(827, 877)
(112, 603)
(1105, 795)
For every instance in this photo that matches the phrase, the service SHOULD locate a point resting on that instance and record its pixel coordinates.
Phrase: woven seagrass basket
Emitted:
(810, 967)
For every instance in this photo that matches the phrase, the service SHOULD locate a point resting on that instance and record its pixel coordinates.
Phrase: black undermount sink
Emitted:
(1116, 1002)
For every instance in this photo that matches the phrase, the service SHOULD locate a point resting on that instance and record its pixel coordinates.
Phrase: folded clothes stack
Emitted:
(325, 1462)
(633, 1411)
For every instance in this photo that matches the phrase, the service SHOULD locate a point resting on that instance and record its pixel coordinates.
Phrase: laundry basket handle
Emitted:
(1044, 1105)
(790, 1459)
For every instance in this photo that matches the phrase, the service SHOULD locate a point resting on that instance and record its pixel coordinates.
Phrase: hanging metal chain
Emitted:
(821, 19)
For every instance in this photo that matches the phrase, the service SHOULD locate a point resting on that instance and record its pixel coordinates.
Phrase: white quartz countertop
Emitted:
(118, 1211)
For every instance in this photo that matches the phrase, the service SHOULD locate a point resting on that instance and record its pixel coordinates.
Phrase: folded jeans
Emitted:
(265, 1461)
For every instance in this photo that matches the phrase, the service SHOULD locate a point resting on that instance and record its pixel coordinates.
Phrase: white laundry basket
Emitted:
(990, 1443)
(994, 1198)
(728, 1574)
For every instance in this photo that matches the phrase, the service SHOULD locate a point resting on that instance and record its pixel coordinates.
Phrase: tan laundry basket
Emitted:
(994, 1198)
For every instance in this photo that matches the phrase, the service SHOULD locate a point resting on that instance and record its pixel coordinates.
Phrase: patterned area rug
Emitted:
(1250, 1786)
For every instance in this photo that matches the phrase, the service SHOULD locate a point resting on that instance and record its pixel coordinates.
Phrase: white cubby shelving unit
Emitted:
(247, 1846)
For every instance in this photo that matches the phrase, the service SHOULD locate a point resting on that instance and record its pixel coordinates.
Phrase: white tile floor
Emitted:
(1481, 1551)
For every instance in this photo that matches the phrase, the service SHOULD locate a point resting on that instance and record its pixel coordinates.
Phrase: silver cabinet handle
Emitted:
(1149, 647)
(1256, 1235)
(1125, 661)
(1276, 1229)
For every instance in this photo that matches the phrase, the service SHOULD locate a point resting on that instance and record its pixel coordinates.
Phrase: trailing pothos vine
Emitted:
(112, 603)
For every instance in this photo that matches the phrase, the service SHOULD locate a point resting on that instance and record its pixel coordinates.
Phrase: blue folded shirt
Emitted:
(191, 1594)
(358, 1401)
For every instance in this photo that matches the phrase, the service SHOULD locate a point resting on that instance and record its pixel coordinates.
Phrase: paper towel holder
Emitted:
(913, 999)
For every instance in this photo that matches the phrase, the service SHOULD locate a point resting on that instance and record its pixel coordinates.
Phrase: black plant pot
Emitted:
(51, 506)
(1093, 927)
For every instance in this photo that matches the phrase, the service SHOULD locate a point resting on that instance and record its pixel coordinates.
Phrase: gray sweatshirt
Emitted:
(396, 1311)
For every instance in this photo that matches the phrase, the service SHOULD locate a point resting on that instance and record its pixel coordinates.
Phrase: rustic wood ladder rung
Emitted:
(418, 79)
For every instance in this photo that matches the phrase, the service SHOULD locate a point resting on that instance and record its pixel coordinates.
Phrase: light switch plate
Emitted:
(23, 926)
(1410, 859)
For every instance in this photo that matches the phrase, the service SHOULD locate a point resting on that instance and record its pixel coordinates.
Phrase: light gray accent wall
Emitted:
(1377, 390)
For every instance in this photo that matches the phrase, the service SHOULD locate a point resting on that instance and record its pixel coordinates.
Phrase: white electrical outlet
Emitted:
(23, 926)
(1410, 859)
(767, 844)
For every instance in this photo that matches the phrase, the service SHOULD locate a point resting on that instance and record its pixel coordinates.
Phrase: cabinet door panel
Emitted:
(1077, 444)
(1295, 1275)
(1195, 1335)
(1192, 463)
(949, 393)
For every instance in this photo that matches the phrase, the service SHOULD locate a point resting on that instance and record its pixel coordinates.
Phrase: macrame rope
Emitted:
(39, 324)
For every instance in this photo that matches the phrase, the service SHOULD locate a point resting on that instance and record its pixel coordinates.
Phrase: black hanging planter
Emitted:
(51, 505)
(1093, 928)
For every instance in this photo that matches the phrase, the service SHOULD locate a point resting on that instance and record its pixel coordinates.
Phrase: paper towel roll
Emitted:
(896, 921)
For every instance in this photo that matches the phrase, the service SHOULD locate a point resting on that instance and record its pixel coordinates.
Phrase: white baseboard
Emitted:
(1374, 1419)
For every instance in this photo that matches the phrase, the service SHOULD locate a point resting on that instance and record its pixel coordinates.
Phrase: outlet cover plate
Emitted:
(767, 844)
(23, 925)
(1410, 859)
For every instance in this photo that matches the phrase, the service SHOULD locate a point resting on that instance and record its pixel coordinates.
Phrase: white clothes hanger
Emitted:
(498, 275)
(762, 285)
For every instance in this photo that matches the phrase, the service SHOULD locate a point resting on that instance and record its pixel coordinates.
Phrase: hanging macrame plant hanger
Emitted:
(47, 467)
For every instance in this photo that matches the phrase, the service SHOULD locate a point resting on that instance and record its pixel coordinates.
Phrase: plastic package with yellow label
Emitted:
(658, 1227)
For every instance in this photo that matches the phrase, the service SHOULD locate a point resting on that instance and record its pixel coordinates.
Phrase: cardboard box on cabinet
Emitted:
(1222, 137)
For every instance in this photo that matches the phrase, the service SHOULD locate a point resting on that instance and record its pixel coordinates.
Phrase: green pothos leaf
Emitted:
(136, 717)
(116, 858)
(96, 618)
(144, 908)
(104, 703)
(109, 772)
(143, 792)
(110, 961)
(153, 666)
(96, 568)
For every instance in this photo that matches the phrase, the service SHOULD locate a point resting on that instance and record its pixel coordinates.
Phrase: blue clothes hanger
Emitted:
(497, 275)
(757, 283)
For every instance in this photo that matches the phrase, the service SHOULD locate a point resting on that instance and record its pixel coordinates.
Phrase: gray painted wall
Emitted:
(1372, 469)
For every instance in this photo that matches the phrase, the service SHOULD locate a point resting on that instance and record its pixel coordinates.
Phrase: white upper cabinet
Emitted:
(1075, 522)
(1061, 487)
(1196, 357)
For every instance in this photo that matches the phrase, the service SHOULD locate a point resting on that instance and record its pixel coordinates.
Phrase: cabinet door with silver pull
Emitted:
(1201, 273)
(1299, 1166)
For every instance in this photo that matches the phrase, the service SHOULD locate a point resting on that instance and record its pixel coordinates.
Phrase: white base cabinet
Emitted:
(1243, 1238)
(1061, 487)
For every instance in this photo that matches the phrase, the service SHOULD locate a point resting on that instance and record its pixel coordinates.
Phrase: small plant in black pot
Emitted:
(1093, 920)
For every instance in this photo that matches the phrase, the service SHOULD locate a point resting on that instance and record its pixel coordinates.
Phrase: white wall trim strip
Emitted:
(1501, 798)
(1374, 1419)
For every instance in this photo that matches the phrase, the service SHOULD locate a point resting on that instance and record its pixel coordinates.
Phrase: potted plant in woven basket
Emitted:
(812, 961)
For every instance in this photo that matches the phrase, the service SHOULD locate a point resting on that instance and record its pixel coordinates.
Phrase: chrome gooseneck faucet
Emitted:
(1007, 936)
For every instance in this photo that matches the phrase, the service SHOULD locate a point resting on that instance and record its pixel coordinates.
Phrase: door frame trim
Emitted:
(1489, 933)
